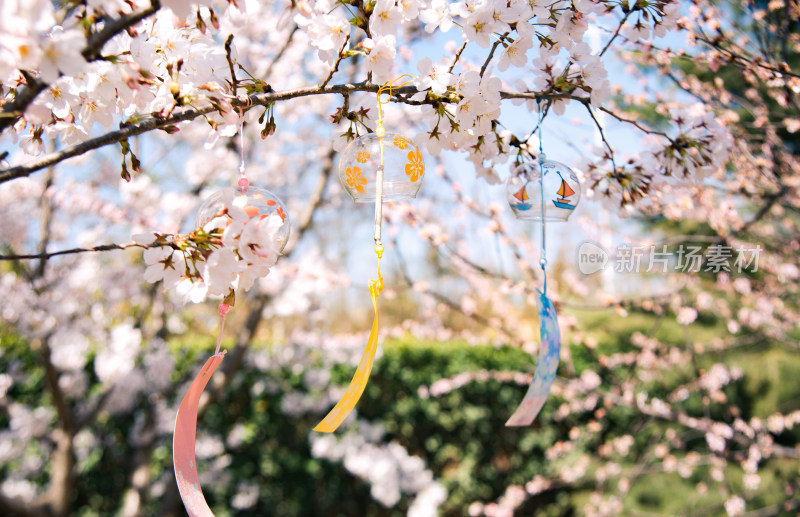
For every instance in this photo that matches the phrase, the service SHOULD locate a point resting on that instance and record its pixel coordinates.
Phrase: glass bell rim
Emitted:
(370, 198)
(535, 163)
(548, 218)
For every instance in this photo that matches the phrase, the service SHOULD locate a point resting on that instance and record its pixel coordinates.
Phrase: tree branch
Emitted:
(261, 99)
(62, 476)
(627, 121)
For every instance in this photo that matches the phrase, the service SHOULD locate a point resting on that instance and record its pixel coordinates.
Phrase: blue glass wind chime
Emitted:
(542, 190)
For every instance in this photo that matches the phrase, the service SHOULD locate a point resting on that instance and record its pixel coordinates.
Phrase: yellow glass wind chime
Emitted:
(377, 167)
(257, 204)
(542, 190)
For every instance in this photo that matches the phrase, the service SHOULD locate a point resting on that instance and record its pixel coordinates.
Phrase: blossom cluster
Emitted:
(234, 248)
(388, 468)
(174, 60)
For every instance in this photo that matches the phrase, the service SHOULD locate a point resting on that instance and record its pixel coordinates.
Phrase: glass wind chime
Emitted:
(542, 190)
(258, 204)
(377, 167)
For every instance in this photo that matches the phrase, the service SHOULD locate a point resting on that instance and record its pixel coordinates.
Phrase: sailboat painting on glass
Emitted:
(522, 196)
(564, 192)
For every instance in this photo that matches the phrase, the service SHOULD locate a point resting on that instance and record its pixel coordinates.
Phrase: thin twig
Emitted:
(491, 53)
(339, 58)
(280, 53)
(72, 251)
(457, 57)
(229, 57)
(747, 61)
(616, 32)
(634, 123)
(602, 136)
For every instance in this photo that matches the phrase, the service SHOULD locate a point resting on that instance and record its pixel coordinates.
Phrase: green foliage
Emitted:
(460, 434)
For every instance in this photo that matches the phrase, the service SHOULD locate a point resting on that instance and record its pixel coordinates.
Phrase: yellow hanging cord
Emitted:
(388, 86)
(359, 382)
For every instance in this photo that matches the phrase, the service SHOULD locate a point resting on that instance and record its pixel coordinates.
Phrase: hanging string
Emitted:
(381, 132)
(542, 158)
(223, 310)
(389, 86)
(243, 182)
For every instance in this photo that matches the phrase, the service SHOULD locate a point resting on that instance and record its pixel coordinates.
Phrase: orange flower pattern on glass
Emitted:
(414, 167)
(363, 156)
(401, 142)
(355, 179)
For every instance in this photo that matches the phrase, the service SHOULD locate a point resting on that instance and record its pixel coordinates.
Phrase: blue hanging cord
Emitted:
(543, 260)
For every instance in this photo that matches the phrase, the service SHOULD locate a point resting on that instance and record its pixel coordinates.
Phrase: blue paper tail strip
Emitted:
(546, 368)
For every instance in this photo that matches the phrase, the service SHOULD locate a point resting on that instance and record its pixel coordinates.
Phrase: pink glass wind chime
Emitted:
(542, 190)
(258, 204)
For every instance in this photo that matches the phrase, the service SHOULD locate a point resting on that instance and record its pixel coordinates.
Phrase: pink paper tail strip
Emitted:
(545, 368)
(183, 440)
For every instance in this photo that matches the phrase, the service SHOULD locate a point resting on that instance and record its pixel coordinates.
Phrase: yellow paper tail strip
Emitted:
(356, 388)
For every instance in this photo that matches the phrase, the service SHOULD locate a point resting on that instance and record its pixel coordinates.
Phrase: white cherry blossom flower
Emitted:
(191, 291)
(68, 133)
(60, 97)
(479, 28)
(94, 110)
(433, 76)
(409, 9)
(31, 143)
(163, 263)
(437, 16)
(61, 54)
(515, 53)
(258, 243)
(221, 270)
(380, 59)
(326, 32)
(385, 18)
